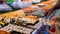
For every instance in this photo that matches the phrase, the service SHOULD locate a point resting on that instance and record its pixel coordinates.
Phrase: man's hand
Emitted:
(57, 31)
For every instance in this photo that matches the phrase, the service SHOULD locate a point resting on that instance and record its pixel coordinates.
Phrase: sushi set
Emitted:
(17, 19)
(25, 20)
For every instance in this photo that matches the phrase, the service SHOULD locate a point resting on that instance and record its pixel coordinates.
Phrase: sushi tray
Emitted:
(17, 29)
(18, 22)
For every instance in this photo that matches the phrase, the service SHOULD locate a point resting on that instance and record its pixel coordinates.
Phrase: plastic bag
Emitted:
(4, 7)
(20, 4)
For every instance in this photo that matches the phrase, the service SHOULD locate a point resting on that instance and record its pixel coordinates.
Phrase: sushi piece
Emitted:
(2, 24)
(41, 5)
(47, 7)
(48, 2)
(27, 9)
(20, 12)
(30, 9)
(30, 19)
(1, 17)
(34, 7)
(39, 13)
(4, 32)
(7, 20)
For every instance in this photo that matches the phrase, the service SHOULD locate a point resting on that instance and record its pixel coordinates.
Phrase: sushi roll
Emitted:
(34, 8)
(19, 12)
(30, 19)
(7, 20)
(40, 5)
(1, 17)
(31, 9)
(2, 24)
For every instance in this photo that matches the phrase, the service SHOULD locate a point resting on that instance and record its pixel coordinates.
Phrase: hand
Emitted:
(57, 31)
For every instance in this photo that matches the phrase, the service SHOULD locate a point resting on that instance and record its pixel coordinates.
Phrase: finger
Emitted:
(56, 26)
(49, 31)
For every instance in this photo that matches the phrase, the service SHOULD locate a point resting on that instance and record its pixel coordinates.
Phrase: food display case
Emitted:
(25, 20)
